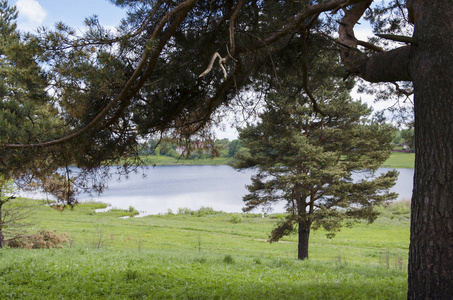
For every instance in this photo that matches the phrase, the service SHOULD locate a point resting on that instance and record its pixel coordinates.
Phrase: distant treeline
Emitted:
(404, 140)
(223, 148)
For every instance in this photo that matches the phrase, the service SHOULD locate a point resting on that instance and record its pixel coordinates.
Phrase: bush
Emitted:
(400, 207)
(202, 211)
(185, 211)
(41, 240)
(228, 259)
(235, 219)
(132, 211)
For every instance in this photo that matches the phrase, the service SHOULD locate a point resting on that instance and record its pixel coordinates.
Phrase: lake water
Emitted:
(173, 187)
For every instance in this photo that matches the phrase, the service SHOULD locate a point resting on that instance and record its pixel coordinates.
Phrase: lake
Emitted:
(172, 187)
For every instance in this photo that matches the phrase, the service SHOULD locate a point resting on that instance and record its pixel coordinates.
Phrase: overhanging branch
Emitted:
(183, 9)
(381, 67)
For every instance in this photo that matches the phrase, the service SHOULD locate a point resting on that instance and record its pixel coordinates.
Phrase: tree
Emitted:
(308, 161)
(234, 147)
(12, 213)
(30, 114)
(425, 61)
(408, 137)
(111, 86)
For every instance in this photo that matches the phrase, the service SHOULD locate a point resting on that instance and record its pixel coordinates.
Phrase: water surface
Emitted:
(220, 187)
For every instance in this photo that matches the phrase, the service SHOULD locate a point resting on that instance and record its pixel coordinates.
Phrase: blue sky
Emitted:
(34, 13)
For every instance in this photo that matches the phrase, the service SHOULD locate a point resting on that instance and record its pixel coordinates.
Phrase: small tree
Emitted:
(12, 213)
(309, 161)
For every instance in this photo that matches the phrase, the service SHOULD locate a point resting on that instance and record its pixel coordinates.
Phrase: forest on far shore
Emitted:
(223, 151)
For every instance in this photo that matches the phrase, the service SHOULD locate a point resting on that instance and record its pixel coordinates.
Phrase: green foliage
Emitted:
(306, 159)
(228, 259)
(399, 210)
(236, 218)
(202, 211)
(234, 148)
(27, 113)
(405, 137)
(132, 211)
(13, 211)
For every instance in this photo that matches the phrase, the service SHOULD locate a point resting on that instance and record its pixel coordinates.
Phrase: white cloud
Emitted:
(31, 10)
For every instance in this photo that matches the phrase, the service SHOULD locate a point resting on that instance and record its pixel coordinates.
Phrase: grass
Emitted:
(171, 161)
(399, 160)
(396, 160)
(205, 255)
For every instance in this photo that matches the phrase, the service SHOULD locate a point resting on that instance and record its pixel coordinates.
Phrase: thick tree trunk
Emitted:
(431, 242)
(304, 234)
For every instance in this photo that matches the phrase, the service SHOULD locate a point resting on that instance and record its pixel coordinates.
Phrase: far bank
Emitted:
(397, 160)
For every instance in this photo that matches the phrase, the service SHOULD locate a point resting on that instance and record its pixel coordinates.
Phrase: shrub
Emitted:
(132, 211)
(235, 219)
(228, 259)
(131, 274)
(185, 211)
(400, 207)
(204, 211)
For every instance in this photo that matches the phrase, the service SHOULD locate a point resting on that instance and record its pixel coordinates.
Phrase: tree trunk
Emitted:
(304, 234)
(2, 238)
(431, 243)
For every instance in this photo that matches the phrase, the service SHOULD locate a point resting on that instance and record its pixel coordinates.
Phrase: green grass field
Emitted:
(400, 160)
(205, 255)
(171, 161)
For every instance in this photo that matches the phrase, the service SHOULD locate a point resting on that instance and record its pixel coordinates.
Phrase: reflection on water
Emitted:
(173, 187)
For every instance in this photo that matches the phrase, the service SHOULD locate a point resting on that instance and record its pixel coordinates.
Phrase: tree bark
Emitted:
(429, 64)
(2, 238)
(304, 234)
(431, 243)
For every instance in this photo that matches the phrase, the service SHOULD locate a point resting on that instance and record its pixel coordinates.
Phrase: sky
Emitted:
(35, 13)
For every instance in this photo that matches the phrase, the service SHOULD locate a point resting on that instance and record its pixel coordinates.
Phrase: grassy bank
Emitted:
(396, 160)
(205, 255)
(171, 161)
(400, 160)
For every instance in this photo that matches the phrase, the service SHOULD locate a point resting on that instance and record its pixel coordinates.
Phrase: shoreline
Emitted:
(397, 160)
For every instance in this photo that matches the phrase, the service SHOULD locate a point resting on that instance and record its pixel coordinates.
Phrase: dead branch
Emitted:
(211, 64)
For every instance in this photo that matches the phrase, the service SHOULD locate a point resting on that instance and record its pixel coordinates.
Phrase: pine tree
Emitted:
(27, 113)
(308, 162)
